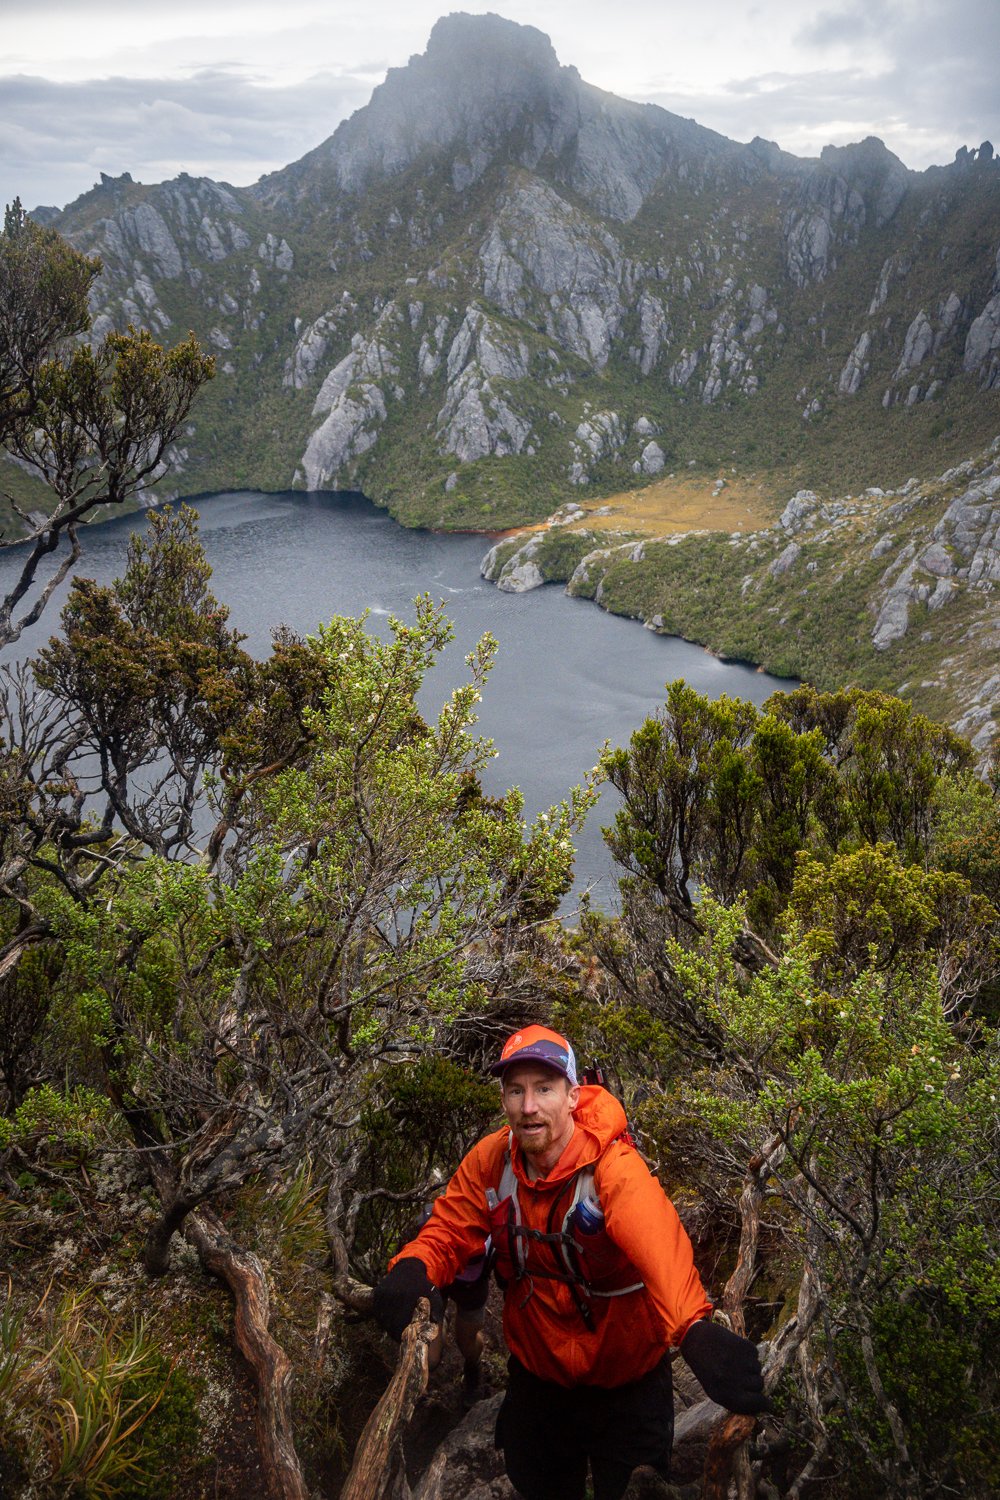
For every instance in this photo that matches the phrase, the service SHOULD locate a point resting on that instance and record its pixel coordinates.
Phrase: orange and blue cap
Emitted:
(538, 1044)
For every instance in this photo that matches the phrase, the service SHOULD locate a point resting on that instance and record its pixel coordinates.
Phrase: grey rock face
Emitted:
(338, 380)
(982, 344)
(209, 240)
(654, 331)
(477, 418)
(810, 239)
(483, 82)
(276, 253)
(856, 368)
(948, 315)
(893, 619)
(467, 1466)
(482, 342)
(352, 395)
(971, 526)
(472, 81)
(309, 352)
(144, 228)
(520, 578)
(503, 217)
(517, 573)
(683, 368)
(542, 258)
(431, 346)
(881, 292)
(590, 568)
(350, 430)
(851, 184)
(602, 434)
(944, 591)
(964, 550)
(937, 559)
(729, 361)
(917, 345)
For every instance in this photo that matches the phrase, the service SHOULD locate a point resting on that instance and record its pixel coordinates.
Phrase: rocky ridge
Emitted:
(473, 295)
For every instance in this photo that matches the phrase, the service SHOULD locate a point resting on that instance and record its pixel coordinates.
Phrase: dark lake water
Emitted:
(567, 675)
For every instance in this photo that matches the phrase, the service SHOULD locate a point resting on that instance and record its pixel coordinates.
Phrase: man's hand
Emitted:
(727, 1367)
(398, 1293)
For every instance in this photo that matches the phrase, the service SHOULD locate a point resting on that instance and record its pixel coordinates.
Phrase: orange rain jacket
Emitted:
(542, 1323)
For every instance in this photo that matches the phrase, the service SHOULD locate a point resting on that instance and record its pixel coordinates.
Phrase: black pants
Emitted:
(550, 1433)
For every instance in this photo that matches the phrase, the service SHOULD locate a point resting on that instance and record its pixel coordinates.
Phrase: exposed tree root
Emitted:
(243, 1273)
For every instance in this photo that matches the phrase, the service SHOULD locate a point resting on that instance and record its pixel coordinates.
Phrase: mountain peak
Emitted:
(478, 77)
(488, 89)
(460, 38)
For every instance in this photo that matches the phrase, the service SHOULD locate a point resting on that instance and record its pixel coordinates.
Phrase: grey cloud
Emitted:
(55, 139)
(845, 26)
(921, 32)
(931, 100)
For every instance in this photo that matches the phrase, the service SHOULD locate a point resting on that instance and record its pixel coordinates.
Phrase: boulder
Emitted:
(652, 459)
(520, 577)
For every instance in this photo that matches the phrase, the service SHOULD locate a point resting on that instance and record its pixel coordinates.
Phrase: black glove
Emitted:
(398, 1293)
(727, 1367)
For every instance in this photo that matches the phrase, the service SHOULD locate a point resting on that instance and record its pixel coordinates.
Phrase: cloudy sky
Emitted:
(235, 88)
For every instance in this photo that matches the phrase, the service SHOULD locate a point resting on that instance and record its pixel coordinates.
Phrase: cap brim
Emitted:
(536, 1053)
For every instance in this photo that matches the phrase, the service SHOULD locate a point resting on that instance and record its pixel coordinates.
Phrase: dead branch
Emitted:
(378, 1472)
(727, 1457)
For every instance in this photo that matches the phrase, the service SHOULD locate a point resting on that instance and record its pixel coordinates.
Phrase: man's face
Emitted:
(539, 1104)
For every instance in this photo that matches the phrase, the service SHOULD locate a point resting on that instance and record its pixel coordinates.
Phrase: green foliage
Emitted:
(64, 1126)
(422, 1114)
(43, 301)
(302, 1233)
(241, 989)
(881, 1128)
(940, 1371)
(418, 1119)
(967, 832)
(795, 989)
(721, 793)
(94, 422)
(88, 1407)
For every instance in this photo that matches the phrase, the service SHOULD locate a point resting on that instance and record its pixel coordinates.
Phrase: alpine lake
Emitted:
(567, 675)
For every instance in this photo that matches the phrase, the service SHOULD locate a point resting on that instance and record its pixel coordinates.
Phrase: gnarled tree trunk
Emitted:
(378, 1472)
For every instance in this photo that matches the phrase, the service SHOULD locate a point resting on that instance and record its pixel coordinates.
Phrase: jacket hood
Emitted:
(599, 1119)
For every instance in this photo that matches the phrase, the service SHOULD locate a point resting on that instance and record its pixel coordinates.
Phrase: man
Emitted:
(589, 1314)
